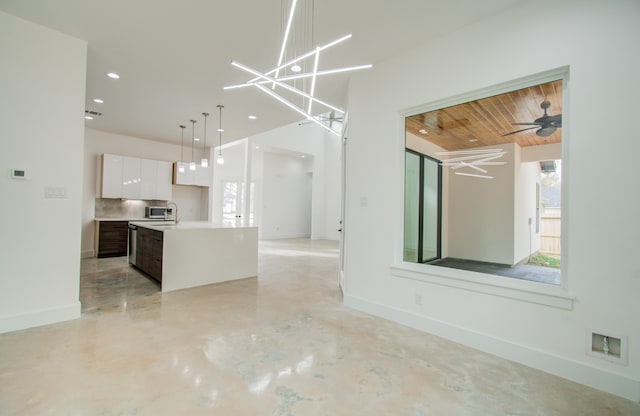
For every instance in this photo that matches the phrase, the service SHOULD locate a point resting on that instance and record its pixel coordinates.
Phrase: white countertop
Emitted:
(185, 225)
(132, 219)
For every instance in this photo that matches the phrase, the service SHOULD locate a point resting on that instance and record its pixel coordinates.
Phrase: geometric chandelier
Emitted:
(268, 81)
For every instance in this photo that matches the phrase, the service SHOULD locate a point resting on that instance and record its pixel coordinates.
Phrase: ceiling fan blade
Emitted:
(535, 123)
(518, 131)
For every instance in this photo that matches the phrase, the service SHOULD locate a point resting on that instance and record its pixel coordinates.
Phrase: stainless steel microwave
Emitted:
(158, 212)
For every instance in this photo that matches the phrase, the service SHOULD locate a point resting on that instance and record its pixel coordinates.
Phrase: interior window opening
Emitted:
(483, 185)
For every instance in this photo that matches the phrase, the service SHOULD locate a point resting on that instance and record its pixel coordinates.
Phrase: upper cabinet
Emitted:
(199, 177)
(131, 178)
(112, 176)
(134, 178)
(164, 174)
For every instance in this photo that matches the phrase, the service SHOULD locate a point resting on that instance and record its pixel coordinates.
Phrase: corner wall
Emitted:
(42, 79)
(596, 293)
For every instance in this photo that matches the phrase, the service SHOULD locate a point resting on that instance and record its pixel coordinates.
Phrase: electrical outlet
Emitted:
(418, 299)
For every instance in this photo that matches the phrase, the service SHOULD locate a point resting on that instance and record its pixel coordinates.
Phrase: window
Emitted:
(474, 167)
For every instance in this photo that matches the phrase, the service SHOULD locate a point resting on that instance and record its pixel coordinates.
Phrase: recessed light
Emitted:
(302, 156)
(422, 131)
(257, 147)
(221, 130)
(196, 139)
(473, 140)
(296, 68)
(98, 100)
(88, 117)
(113, 75)
(252, 117)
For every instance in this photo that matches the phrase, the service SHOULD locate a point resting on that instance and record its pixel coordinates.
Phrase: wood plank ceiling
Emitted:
(484, 122)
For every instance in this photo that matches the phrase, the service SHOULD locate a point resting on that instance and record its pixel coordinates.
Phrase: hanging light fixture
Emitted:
(181, 163)
(192, 164)
(204, 162)
(295, 62)
(220, 159)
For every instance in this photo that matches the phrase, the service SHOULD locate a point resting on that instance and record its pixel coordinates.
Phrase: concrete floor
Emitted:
(279, 344)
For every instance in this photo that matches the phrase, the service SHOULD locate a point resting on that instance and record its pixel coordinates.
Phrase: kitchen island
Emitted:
(196, 253)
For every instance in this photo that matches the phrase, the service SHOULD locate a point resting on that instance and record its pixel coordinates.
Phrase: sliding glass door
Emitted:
(422, 207)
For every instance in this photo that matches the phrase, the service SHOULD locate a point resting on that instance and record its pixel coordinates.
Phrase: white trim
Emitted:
(283, 236)
(40, 317)
(507, 287)
(560, 366)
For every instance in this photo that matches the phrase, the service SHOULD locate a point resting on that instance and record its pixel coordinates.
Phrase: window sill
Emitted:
(506, 287)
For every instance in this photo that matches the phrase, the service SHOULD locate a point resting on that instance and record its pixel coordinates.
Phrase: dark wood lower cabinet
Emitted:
(112, 238)
(149, 252)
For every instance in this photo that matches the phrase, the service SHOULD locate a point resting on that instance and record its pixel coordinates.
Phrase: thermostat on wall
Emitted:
(18, 174)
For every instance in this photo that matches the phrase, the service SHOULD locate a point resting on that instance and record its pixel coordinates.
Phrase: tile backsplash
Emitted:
(123, 208)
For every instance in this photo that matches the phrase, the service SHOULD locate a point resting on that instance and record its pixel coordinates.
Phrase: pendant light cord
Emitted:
(220, 130)
(182, 143)
(193, 136)
(204, 146)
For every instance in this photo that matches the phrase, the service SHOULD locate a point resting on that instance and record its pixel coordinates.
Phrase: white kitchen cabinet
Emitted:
(135, 178)
(148, 178)
(199, 177)
(131, 178)
(182, 178)
(203, 176)
(111, 176)
(164, 173)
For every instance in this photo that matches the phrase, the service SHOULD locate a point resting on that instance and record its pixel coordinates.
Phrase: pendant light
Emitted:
(192, 164)
(181, 163)
(220, 159)
(204, 162)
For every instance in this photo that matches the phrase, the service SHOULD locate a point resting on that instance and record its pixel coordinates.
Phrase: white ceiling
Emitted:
(174, 55)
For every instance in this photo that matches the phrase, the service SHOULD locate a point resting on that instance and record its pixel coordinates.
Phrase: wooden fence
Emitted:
(550, 231)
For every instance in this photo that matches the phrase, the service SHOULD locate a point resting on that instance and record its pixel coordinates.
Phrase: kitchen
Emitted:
(315, 216)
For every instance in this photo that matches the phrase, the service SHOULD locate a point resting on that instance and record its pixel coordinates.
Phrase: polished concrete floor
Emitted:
(280, 344)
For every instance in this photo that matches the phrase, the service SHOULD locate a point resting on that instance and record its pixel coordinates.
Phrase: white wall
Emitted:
(192, 201)
(42, 79)
(286, 197)
(598, 41)
(481, 213)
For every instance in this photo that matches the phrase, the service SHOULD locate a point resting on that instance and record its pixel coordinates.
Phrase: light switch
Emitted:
(55, 192)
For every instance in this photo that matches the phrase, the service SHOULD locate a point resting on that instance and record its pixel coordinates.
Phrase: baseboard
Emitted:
(85, 254)
(559, 366)
(39, 318)
(282, 236)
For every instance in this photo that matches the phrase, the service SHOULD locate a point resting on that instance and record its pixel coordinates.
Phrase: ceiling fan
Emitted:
(546, 124)
(322, 118)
